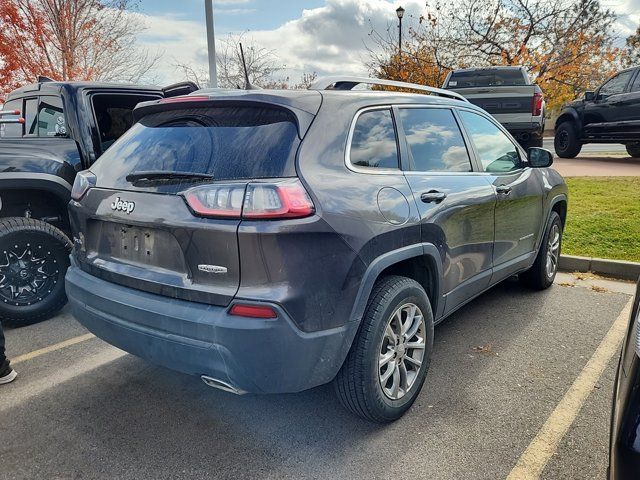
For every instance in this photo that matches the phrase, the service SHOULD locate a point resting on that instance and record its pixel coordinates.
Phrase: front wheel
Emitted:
(388, 361)
(633, 150)
(34, 257)
(543, 271)
(566, 142)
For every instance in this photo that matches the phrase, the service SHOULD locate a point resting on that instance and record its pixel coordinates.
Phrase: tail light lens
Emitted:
(252, 311)
(83, 182)
(536, 106)
(285, 199)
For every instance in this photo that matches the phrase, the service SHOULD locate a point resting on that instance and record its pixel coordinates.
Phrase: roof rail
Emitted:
(347, 83)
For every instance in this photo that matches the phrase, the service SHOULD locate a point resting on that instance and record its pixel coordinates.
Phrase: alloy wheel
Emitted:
(553, 250)
(402, 351)
(28, 273)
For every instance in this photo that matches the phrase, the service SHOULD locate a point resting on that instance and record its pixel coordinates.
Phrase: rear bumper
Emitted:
(253, 355)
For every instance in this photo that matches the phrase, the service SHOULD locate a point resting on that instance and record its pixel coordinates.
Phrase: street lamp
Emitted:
(400, 13)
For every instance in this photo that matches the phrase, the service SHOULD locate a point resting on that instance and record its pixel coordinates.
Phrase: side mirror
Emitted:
(539, 157)
(589, 96)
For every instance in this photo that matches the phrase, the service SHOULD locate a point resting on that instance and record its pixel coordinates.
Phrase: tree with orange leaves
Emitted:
(566, 45)
(70, 40)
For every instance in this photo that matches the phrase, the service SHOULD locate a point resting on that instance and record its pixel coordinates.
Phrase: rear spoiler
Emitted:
(182, 88)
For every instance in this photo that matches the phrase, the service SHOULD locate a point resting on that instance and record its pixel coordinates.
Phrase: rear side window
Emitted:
(31, 116)
(486, 78)
(373, 143)
(225, 142)
(497, 153)
(51, 122)
(434, 140)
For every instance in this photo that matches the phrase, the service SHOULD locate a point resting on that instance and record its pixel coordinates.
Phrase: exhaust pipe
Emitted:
(220, 385)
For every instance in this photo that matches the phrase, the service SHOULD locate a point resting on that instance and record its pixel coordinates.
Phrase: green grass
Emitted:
(604, 218)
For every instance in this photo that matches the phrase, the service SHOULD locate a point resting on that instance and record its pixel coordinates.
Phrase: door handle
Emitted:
(433, 196)
(503, 189)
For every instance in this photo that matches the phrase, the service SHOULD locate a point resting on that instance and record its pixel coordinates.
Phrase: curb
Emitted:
(610, 268)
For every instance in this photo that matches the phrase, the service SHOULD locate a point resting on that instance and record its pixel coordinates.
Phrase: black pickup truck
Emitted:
(611, 114)
(48, 132)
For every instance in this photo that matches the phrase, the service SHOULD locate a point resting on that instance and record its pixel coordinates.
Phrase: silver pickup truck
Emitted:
(508, 94)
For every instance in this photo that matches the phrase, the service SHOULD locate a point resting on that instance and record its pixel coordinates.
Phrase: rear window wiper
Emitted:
(160, 175)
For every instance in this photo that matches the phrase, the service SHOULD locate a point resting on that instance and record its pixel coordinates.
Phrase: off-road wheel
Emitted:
(633, 149)
(34, 257)
(543, 272)
(566, 142)
(388, 361)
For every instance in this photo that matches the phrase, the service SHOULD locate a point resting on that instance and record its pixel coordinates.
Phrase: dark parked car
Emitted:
(271, 241)
(624, 459)
(48, 132)
(611, 114)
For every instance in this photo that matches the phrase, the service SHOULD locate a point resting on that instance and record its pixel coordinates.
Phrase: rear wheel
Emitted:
(34, 257)
(543, 271)
(566, 142)
(388, 361)
(633, 150)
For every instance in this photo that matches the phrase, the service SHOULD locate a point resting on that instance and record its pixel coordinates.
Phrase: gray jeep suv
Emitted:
(272, 241)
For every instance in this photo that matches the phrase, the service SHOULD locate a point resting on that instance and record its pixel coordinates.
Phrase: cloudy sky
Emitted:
(325, 36)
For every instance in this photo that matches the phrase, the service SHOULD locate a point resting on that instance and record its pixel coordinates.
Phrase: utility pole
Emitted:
(211, 44)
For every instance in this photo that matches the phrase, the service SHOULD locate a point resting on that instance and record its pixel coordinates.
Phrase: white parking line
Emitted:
(544, 445)
(52, 348)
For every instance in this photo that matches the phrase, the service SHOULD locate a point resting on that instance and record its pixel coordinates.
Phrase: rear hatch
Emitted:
(501, 92)
(139, 229)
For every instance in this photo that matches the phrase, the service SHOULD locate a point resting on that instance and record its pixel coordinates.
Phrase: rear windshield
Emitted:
(229, 143)
(486, 78)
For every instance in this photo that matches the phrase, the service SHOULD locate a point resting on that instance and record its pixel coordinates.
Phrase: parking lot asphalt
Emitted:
(501, 367)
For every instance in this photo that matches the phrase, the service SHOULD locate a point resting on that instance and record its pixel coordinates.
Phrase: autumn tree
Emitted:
(566, 45)
(632, 49)
(70, 40)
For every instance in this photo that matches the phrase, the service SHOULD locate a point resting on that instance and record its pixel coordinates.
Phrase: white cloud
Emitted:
(328, 40)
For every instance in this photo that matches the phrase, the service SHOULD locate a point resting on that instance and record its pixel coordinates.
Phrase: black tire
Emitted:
(38, 279)
(538, 276)
(566, 142)
(358, 384)
(633, 150)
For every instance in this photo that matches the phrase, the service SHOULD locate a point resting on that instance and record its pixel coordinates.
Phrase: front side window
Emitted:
(434, 140)
(51, 122)
(374, 143)
(30, 115)
(615, 85)
(497, 152)
(11, 130)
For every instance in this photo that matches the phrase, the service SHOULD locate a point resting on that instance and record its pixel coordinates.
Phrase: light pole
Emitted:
(400, 13)
(211, 44)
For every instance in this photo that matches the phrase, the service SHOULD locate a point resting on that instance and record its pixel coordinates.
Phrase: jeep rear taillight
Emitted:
(257, 200)
(536, 105)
